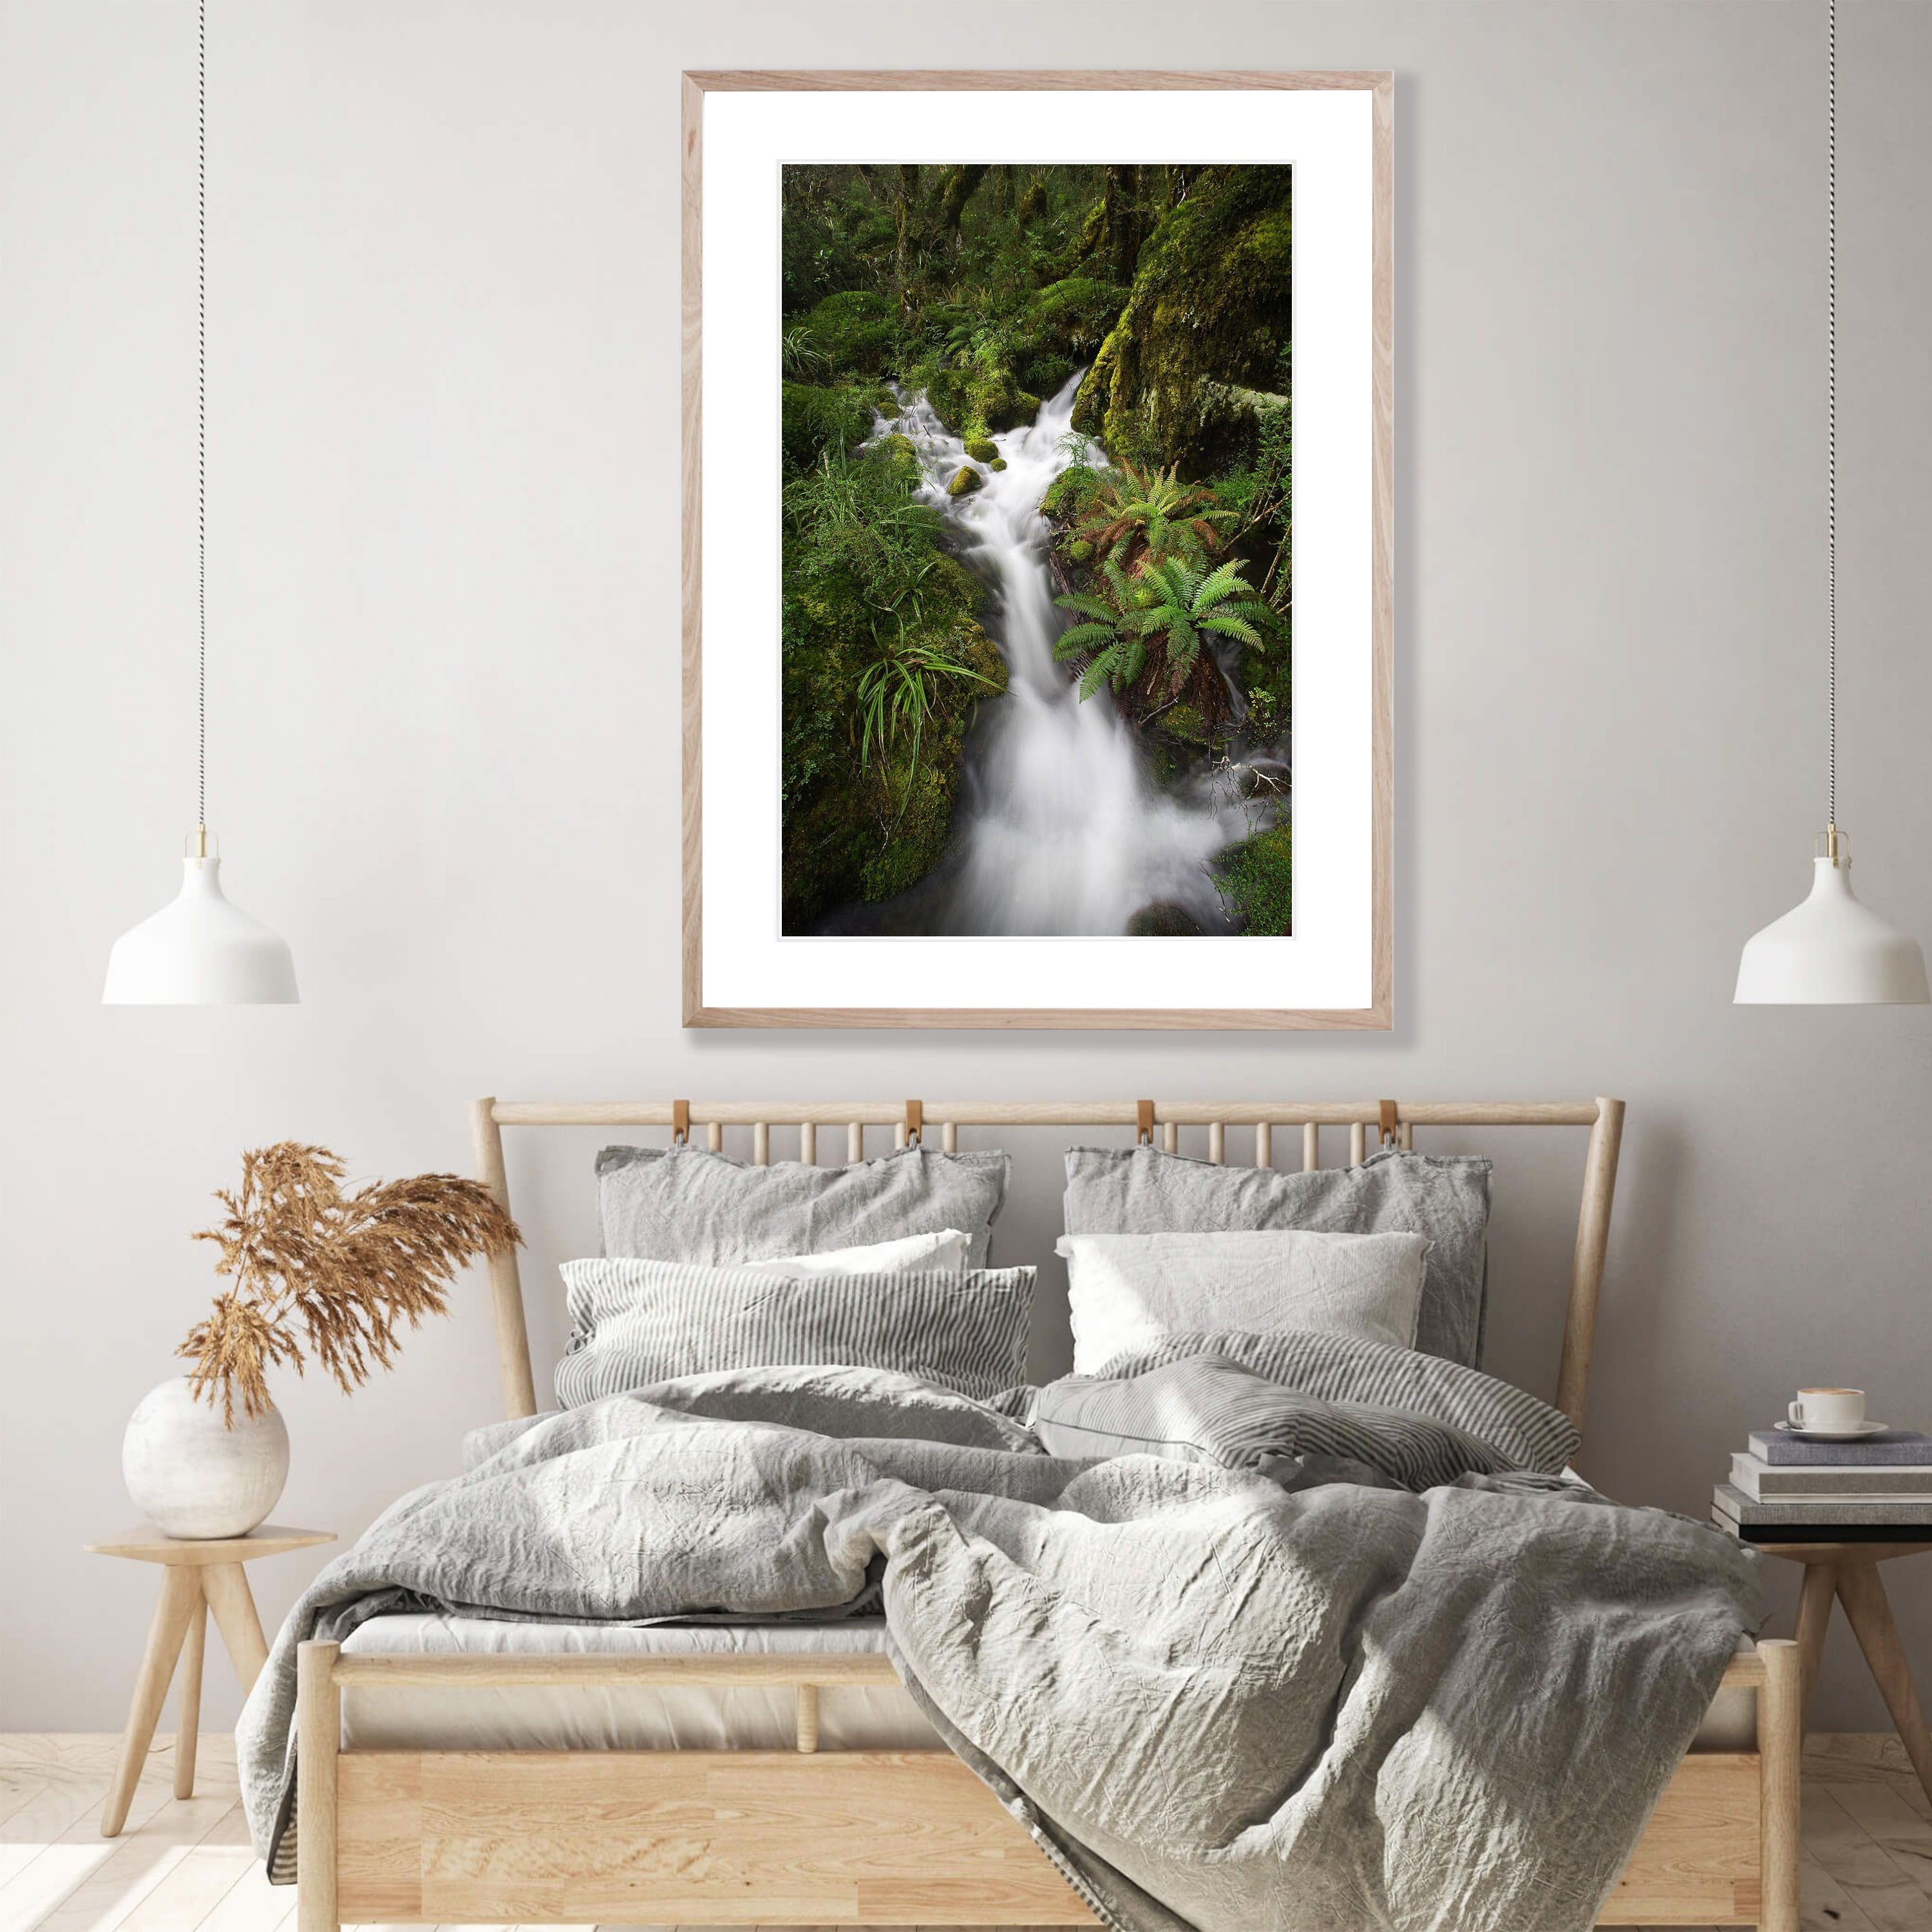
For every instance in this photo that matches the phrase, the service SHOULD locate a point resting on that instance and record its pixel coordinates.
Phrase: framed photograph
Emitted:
(1038, 576)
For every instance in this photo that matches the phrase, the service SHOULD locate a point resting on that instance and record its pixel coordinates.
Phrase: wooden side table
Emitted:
(1847, 1572)
(198, 1577)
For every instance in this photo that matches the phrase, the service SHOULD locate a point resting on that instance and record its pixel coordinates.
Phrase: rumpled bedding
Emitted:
(1255, 1696)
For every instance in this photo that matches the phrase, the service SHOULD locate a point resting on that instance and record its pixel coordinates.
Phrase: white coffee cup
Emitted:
(1831, 1410)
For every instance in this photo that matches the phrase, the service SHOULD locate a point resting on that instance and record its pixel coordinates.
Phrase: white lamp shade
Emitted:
(1830, 951)
(200, 951)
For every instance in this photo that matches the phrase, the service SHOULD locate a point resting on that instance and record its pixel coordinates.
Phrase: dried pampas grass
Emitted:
(338, 1272)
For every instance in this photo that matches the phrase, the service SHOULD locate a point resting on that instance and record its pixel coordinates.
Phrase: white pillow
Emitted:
(1128, 1290)
(944, 1252)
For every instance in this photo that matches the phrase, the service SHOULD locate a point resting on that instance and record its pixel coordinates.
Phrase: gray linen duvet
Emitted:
(1217, 1698)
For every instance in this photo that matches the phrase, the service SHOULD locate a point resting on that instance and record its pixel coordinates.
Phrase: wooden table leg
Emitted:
(180, 1596)
(1814, 1617)
(1862, 1593)
(225, 1586)
(187, 1698)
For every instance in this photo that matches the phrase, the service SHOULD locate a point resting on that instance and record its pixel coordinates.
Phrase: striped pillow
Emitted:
(1206, 1408)
(1525, 1432)
(636, 1322)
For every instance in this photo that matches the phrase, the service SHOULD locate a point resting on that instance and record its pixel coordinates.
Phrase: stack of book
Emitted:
(1786, 1488)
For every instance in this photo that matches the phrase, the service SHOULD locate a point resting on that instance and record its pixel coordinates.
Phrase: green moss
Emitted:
(1075, 314)
(981, 449)
(1257, 877)
(855, 331)
(965, 480)
(899, 453)
(1196, 349)
(1081, 550)
(1069, 492)
(997, 463)
(945, 389)
(1184, 722)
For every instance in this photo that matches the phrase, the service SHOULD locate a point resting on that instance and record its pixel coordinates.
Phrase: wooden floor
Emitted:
(184, 1865)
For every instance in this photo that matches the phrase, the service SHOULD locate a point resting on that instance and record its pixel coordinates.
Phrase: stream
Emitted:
(1061, 827)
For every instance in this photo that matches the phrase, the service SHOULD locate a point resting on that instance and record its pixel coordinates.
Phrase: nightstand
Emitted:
(197, 1577)
(1845, 1570)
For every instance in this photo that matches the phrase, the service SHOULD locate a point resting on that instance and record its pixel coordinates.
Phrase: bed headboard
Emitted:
(1393, 1122)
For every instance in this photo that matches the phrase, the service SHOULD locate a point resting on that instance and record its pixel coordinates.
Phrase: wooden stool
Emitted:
(200, 1576)
(1847, 1572)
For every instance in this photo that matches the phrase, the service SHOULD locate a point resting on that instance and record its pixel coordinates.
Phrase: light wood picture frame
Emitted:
(740, 968)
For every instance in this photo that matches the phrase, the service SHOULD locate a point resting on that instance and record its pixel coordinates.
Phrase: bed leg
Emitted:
(318, 1737)
(1780, 1747)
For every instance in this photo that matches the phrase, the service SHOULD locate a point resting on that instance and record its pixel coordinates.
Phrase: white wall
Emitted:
(443, 498)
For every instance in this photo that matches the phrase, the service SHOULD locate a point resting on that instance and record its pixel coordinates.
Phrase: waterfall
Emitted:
(1059, 827)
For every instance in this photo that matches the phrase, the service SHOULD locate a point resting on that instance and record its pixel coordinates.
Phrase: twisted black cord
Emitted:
(1831, 405)
(201, 414)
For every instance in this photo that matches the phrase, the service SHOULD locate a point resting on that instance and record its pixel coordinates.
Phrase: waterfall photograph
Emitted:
(1036, 550)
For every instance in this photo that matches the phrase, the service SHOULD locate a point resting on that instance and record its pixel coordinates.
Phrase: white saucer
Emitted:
(1853, 1435)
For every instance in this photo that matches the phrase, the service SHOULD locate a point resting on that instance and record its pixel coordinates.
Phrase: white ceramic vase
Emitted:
(192, 1476)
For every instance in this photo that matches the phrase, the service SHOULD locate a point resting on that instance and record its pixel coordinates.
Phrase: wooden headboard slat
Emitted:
(1048, 1113)
(1603, 1117)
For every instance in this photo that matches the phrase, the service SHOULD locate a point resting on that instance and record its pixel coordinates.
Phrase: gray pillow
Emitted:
(1143, 1191)
(1209, 1408)
(1383, 1389)
(634, 1323)
(686, 1203)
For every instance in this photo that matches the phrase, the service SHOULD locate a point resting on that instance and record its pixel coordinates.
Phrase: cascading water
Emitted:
(1059, 827)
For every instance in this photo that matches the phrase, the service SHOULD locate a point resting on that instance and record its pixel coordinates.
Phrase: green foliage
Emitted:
(883, 657)
(1151, 514)
(1080, 551)
(814, 419)
(1167, 599)
(902, 692)
(1255, 880)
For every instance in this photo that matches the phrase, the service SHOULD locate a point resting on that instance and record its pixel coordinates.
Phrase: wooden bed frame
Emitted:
(750, 1837)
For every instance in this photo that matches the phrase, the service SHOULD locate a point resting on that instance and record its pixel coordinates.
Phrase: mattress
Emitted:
(631, 1716)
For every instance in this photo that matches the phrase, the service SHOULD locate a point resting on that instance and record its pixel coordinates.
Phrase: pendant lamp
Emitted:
(1830, 950)
(200, 950)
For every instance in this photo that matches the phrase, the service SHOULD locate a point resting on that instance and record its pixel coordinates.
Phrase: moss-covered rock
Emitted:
(1161, 918)
(1081, 550)
(965, 480)
(1207, 317)
(1256, 877)
(1073, 316)
(1184, 722)
(1069, 492)
(899, 452)
(855, 332)
(997, 463)
(982, 449)
(997, 401)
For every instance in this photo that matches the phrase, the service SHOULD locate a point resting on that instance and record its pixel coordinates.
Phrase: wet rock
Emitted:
(1162, 918)
(965, 480)
(982, 449)
(997, 463)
